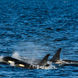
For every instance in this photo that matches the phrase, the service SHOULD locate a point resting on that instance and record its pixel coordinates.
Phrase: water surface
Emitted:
(37, 27)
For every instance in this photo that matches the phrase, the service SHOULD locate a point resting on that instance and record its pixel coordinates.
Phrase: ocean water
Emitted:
(33, 28)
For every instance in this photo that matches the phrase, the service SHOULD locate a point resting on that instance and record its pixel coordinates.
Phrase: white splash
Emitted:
(31, 50)
(46, 67)
(16, 55)
(22, 58)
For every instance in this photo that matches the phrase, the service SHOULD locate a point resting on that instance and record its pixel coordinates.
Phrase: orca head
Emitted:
(9, 60)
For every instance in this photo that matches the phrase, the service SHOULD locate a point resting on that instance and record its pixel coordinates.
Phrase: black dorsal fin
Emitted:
(56, 56)
(44, 60)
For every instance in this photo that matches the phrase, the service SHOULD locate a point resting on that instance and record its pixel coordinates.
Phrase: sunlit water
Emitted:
(35, 28)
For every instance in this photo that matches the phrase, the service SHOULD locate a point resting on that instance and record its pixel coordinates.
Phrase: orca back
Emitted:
(56, 56)
(44, 60)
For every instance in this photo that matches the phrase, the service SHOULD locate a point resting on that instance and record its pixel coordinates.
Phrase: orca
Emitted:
(56, 60)
(42, 64)
(18, 63)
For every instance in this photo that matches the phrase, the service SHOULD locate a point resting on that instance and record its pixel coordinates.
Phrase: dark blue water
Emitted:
(34, 28)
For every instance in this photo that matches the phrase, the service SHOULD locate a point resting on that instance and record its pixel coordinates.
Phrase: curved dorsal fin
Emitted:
(56, 56)
(44, 60)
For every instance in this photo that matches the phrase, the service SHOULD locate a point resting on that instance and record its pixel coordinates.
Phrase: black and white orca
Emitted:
(18, 63)
(56, 59)
(43, 64)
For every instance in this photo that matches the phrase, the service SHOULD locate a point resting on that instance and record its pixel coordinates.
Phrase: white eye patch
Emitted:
(12, 63)
(21, 65)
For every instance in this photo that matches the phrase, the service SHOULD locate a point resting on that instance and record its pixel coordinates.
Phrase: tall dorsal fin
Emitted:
(56, 56)
(44, 60)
